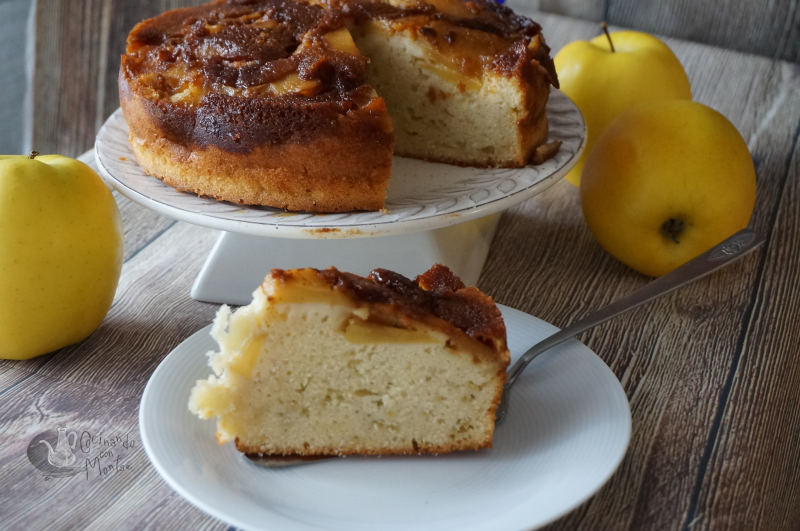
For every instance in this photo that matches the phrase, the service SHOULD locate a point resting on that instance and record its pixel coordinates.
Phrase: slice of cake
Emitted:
(330, 363)
(465, 82)
(297, 104)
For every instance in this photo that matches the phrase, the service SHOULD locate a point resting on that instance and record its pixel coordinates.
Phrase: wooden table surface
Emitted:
(711, 372)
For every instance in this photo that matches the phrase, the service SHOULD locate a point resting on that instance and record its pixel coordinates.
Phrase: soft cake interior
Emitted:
(439, 114)
(315, 377)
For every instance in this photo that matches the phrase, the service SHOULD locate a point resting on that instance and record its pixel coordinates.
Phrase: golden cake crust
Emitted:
(330, 363)
(253, 102)
(294, 176)
(330, 451)
(437, 298)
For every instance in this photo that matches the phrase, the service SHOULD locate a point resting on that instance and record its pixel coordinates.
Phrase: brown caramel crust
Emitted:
(435, 298)
(294, 176)
(260, 43)
(232, 69)
(446, 27)
(437, 295)
(419, 448)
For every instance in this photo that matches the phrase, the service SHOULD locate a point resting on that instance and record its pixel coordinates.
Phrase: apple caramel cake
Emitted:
(300, 104)
(330, 363)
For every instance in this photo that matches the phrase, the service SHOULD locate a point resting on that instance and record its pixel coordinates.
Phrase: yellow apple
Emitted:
(665, 182)
(61, 248)
(603, 83)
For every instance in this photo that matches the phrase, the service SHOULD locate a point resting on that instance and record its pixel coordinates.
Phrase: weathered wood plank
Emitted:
(545, 261)
(771, 29)
(77, 49)
(752, 477)
(133, 498)
(67, 52)
(13, 85)
(584, 9)
(11, 374)
(679, 359)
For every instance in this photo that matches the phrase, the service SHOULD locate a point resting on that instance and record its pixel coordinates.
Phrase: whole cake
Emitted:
(330, 363)
(301, 104)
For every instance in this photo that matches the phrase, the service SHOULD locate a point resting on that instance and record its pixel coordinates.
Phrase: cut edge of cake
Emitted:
(490, 120)
(311, 367)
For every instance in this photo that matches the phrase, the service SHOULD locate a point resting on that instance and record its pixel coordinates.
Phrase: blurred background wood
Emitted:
(771, 29)
(77, 43)
(77, 48)
(14, 16)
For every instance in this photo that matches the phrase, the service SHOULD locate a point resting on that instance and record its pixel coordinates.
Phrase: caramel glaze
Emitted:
(229, 53)
(437, 294)
(181, 49)
(447, 24)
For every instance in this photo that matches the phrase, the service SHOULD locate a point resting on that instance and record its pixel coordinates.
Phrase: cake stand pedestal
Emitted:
(238, 263)
(435, 213)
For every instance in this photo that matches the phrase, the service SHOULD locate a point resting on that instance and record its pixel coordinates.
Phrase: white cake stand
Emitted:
(435, 213)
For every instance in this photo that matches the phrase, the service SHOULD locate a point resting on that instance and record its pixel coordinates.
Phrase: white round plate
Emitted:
(566, 432)
(421, 195)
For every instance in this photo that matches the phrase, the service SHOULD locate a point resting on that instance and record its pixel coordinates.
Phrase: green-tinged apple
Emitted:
(61, 248)
(666, 181)
(604, 83)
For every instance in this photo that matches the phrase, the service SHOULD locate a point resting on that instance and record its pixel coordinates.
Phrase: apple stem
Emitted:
(605, 30)
(33, 154)
(672, 228)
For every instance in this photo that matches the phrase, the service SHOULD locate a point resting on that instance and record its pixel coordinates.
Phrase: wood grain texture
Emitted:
(771, 29)
(13, 83)
(594, 10)
(74, 84)
(675, 357)
(67, 51)
(133, 498)
(710, 371)
(752, 474)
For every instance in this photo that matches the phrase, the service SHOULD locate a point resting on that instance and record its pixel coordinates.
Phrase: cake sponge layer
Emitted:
(441, 115)
(324, 377)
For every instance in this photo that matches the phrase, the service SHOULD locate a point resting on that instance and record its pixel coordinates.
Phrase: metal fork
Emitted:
(718, 257)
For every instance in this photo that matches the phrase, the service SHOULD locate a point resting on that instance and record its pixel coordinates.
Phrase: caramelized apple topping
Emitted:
(281, 48)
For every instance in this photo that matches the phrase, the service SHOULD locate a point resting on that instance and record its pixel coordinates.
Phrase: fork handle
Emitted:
(723, 254)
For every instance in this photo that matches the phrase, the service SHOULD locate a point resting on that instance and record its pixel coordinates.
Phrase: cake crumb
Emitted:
(545, 152)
